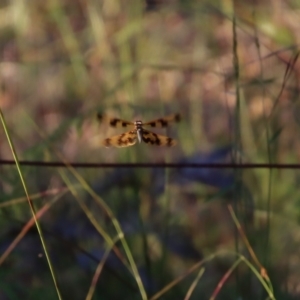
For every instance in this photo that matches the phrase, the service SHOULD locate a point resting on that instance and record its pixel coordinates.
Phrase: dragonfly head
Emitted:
(138, 124)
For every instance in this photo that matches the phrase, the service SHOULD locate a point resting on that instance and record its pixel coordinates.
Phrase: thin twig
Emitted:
(55, 164)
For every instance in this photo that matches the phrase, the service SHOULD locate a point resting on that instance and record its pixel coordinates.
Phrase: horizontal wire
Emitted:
(179, 165)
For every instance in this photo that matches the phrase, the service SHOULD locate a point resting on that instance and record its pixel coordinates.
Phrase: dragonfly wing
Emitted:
(114, 122)
(123, 140)
(152, 138)
(164, 122)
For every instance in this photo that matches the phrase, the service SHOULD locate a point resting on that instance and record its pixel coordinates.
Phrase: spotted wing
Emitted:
(114, 122)
(164, 122)
(125, 139)
(152, 138)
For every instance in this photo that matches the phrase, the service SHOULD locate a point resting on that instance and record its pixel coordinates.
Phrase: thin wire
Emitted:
(55, 164)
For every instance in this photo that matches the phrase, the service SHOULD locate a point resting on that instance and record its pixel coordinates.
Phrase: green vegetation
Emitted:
(230, 69)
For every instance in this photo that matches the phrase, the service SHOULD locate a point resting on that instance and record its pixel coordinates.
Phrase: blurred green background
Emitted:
(231, 69)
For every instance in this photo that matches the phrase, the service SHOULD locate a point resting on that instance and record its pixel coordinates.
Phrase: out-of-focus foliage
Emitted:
(62, 61)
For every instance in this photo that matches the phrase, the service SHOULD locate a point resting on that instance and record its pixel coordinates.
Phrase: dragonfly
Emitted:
(137, 132)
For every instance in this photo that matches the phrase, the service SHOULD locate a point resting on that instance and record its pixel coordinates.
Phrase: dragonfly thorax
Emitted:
(138, 124)
(139, 130)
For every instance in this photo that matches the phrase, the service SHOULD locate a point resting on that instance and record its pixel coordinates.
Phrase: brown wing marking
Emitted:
(164, 122)
(157, 139)
(114, 122)
(125, 139)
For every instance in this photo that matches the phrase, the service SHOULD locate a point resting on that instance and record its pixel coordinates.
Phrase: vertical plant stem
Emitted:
(30, 204)
(268, 208)
(237, 126)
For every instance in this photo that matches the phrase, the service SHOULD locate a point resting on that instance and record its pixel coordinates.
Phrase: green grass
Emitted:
(231, 71)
